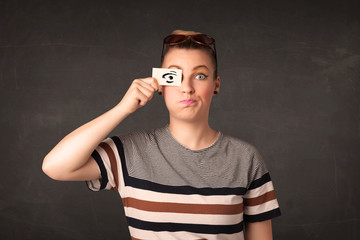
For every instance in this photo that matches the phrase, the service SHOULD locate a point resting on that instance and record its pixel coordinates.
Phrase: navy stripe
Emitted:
(120, 149)
(263, 216)
(104, 178)
(176, 227)
(148, 185)
(156, 187)
(261, 181)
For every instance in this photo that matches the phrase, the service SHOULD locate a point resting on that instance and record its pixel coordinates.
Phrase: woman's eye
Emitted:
(201, 76)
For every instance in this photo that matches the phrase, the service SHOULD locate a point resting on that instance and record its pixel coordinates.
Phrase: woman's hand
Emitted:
(139, 93)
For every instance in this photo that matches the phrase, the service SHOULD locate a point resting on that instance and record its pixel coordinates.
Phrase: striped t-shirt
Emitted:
(172, 192)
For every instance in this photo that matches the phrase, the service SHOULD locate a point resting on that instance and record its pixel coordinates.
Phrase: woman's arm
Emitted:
(71, 158)
(258, 230)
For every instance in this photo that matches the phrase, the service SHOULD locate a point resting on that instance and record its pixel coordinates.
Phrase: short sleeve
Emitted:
(107, 157)
(260, 202)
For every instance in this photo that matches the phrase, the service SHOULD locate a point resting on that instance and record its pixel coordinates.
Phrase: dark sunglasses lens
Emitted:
(174, 39)
(203, 39)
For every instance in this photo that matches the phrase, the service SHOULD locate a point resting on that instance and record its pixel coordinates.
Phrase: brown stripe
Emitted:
(261, 199)
(183, 207)
(113, 163)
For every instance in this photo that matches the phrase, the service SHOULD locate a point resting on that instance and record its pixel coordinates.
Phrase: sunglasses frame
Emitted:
(193, 37)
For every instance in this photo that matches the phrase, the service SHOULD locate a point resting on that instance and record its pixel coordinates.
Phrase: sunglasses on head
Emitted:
(201, 39)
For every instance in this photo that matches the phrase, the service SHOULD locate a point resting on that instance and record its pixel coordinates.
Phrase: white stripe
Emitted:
(267, 187)
(150, 235)
(148, 195)
(94, 185)
(265, 207)
(214, 219)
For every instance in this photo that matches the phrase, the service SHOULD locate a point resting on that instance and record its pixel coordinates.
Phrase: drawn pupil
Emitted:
(168, 75)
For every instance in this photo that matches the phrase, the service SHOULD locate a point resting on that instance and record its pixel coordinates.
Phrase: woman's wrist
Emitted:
(122, 110)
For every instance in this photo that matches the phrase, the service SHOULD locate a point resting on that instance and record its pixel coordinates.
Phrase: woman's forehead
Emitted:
(180, 56)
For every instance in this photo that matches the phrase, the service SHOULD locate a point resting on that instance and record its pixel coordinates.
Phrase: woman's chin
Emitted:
(188, 115)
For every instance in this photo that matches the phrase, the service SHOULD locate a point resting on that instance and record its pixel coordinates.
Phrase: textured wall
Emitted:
(290, 86)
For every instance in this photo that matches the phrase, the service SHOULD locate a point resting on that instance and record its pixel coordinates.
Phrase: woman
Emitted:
(182, 181)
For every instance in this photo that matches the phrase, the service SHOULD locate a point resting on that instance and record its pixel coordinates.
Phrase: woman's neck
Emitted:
(194, 136)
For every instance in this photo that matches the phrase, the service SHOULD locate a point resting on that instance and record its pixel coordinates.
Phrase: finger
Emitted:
(153, 82)
(157, 85)
(146, 89)
(140, 97)
(146, 84)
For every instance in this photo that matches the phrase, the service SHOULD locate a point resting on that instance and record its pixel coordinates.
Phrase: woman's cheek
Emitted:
(207, 92)
(170, 94)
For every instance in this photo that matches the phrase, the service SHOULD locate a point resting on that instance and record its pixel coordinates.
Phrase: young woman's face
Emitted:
(190, 101)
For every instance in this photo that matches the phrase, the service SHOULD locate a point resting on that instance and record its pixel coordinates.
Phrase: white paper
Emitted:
(165, 76)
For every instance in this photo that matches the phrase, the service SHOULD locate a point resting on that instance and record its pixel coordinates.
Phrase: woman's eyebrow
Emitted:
(174, 66)
(200, 66)
(178, 67)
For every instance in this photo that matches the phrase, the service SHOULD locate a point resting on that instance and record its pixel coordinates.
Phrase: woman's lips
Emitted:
(188, 101)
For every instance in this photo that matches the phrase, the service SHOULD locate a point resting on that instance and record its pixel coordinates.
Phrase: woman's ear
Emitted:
(160, 90)
(217, 85)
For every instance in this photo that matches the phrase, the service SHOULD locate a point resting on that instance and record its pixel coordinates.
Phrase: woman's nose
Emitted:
(187, 86)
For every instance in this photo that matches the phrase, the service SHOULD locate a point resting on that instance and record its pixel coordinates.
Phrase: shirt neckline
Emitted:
(167, 130)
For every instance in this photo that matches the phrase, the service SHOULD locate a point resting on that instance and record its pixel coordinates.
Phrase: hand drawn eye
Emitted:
(169, 76)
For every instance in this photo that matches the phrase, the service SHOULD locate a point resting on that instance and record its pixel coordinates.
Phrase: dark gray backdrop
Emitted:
(290, 86)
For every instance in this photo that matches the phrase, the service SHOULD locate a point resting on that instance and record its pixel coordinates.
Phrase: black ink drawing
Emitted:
(169, 76)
